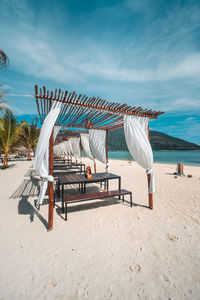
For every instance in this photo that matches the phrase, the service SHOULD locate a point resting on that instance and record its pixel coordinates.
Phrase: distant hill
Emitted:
(158, 140)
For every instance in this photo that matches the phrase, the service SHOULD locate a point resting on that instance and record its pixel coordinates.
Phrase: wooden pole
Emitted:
(149, 179)
(95, 166)
(50, 184)
(106, 149)
(107, 145)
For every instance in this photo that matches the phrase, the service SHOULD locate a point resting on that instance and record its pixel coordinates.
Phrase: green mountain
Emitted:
(158, 140)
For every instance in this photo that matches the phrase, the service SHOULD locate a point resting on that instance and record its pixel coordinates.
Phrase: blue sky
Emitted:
(140, 52)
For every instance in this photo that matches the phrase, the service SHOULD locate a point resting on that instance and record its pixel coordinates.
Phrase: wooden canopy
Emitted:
(78, 110)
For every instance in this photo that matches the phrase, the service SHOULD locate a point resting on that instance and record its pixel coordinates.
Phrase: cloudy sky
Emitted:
(140, 52)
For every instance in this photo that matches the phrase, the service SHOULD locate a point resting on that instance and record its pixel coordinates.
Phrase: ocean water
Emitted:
(191, 158)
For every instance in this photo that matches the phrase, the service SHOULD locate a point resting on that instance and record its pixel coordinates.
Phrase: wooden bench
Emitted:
(94, 196)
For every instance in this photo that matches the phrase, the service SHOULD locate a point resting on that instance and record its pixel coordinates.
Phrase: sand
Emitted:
(106, 250)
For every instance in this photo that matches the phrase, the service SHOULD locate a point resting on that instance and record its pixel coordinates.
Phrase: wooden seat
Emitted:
(94, 196)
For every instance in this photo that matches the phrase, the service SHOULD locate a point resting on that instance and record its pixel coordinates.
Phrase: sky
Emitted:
(140, 52)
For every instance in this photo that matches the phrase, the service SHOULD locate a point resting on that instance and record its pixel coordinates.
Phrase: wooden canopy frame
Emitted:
(82, 112)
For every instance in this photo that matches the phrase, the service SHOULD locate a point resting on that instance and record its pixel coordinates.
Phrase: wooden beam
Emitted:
(107, 146)
(149, 179)
(50, 185)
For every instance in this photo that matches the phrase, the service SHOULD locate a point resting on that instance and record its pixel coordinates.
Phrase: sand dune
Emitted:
(106, 250)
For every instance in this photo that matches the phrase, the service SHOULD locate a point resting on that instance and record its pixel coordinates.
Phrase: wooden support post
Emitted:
(95, 166)
(106, 148)
(50, 184)
(106, 145)
(149, 178)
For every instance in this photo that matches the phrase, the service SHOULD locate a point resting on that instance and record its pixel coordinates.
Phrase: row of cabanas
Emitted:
(97, 116)
(93, 144)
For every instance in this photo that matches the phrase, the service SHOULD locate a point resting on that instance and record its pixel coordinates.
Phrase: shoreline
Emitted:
(111, 159)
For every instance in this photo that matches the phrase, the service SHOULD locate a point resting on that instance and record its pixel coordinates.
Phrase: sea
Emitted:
(191, 158)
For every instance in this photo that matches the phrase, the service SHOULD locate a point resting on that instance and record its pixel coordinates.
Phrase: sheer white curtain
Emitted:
(41, 163)
(59, 149)
(62, 148)
(56, 150)
(97, 141)
(75, 142)
(144, 122)
(139, 146)
(85, 144)
(66, 144)
(70, 147)
(55, 132)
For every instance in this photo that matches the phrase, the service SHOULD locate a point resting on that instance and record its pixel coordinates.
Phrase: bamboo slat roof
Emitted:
(80, 111)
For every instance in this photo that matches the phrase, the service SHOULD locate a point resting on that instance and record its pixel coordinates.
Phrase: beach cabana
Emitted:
(96, 117)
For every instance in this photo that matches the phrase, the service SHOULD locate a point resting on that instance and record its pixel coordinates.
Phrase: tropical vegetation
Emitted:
(29, 134)
(3, 60)
(9, 134)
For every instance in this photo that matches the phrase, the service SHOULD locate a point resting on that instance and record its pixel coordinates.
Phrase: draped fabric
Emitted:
(85, 145)
(66, 147)
(144, 122)
(62, 148)
(97, 140)
(139, 146)
(41, 163)
(56, 150)
(75, 142)
(59, 149)
(55, 132)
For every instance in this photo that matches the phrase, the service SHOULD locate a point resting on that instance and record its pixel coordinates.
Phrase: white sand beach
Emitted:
(106, 250)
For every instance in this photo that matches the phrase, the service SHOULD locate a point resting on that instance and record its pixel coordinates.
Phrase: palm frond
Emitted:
(4, 60)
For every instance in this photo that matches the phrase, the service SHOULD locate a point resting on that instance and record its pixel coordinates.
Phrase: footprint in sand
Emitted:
(172, 237)
(53, 282)
(135, 268)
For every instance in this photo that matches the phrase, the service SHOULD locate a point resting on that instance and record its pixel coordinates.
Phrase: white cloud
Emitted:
(146, 64)
(182, 104)
(190, 119)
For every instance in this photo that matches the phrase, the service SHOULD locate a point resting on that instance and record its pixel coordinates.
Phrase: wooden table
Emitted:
(62, 160)
(82, 180)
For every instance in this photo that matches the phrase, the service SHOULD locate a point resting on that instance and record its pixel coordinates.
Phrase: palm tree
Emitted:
(3, 106)
(4, 61)
(29, 134)
(9, 134)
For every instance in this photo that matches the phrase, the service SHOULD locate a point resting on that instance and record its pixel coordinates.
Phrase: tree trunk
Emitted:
(5, 160)
(29, 152)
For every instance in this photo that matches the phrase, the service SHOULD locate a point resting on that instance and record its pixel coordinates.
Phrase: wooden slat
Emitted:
(94, 196)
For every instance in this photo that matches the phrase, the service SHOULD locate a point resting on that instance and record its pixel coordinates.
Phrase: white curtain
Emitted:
(63, 147)
(144, 122)
(41, 163)
(75, 142)
(139, 146)
(55, 132)
(97, 141)
(70, 147)
(56, 150)
(85, 144)
(59, 149)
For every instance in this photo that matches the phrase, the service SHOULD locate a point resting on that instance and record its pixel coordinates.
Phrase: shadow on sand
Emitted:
(26, 208)
(74, 207)
(28, 187)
